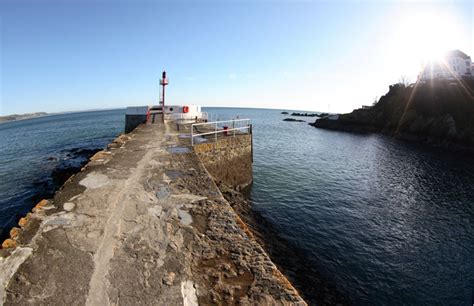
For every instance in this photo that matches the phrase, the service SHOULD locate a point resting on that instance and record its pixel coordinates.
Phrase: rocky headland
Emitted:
(439, 112)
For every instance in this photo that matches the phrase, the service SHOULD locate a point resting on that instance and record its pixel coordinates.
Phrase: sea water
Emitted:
(368, 217)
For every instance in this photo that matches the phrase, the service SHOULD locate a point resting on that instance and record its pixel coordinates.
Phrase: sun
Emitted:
(428, 34)
(420, 37)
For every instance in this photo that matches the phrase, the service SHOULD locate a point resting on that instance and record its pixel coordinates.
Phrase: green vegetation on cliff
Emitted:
(436, 112)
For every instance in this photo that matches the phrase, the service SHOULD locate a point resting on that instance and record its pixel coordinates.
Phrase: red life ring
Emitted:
(185, 109)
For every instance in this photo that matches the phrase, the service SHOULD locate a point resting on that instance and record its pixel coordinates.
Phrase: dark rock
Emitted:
(61, 174)
(293, 120)
(74, 160)
(305, 115)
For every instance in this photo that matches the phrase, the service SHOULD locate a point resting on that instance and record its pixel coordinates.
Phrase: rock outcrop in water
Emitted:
(70, 165)
(305, 115)
(293, 120)
(63, 166)
(439, 112)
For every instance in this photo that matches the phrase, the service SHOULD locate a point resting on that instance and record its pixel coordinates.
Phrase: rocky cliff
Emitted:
(438, 112)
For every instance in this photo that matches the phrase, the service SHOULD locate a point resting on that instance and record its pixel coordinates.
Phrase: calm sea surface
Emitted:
(380, 220)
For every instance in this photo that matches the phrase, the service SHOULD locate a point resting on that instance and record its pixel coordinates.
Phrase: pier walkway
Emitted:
(142, 224)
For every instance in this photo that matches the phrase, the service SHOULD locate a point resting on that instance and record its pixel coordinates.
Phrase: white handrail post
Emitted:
(238, 127)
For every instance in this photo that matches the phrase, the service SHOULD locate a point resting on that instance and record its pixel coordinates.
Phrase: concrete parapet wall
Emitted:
(229, 160)
(132, 121)
(134, 116)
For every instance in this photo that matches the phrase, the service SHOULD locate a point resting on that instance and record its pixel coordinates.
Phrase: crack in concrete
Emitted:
(99, 283)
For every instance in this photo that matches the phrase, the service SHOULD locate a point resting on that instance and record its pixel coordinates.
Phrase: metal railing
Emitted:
(210, 117)
(201, 116)
(226, 127)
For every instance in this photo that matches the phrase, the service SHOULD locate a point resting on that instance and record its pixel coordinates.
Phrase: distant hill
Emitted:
(21, 117)
(439, 112)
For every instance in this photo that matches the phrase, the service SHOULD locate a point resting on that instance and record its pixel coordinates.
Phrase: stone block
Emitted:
(9, 244)
(40, 205)
(14, 233)
(24, 221)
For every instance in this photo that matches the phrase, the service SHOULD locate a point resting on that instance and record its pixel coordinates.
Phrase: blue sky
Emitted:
(328, 56)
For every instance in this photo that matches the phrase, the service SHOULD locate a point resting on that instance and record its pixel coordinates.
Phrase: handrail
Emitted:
(234, 120)
(217, 131)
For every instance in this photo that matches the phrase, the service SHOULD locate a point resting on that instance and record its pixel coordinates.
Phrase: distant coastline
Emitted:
(16, 117)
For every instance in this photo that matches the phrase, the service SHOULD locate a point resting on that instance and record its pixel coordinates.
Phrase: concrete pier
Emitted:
(142, 224)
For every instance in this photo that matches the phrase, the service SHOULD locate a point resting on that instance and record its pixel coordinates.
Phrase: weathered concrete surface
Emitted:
(229, 160)
(145, 224)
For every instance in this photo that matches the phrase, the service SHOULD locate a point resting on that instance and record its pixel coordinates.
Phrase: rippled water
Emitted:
(384, 221)
(380, 220)
(31, 149)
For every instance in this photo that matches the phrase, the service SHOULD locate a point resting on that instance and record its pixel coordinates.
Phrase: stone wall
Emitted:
(229, 160)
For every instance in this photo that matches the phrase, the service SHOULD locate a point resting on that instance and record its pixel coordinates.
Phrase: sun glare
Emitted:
(428, 35)
(421, 37)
